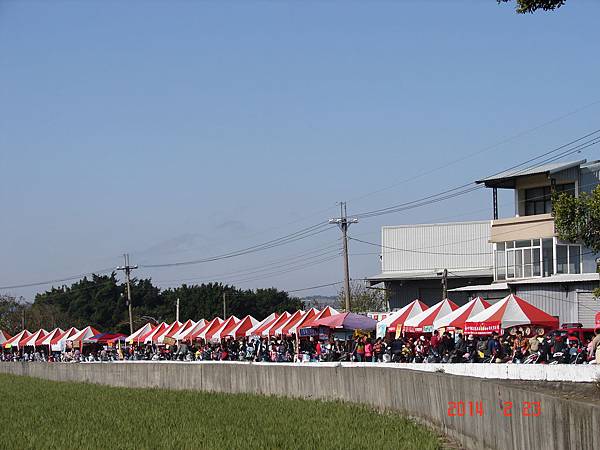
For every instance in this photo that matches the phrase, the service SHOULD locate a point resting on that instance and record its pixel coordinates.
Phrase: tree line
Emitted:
(100, 301)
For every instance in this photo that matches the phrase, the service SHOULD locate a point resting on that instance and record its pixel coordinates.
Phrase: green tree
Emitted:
(577, 219)
(530, 6)
(11, 313)
(362, 299)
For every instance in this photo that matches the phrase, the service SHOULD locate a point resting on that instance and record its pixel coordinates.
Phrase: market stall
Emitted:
(512, 312)
(396, 320)
(139, 335)
(457, 318)
(263, 325)
(15, 341)
(423, 322)
(239, 331)
(220, 333)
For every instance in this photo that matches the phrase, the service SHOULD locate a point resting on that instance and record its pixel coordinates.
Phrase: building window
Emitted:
(568, 258)
(548, 257)
(538, 200)
(518, 259)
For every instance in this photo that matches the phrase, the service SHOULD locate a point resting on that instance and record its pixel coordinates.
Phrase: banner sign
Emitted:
(428, 329)
(324, 333)
(482, 327)
(305, 332)
(381, 329)
(598, 319)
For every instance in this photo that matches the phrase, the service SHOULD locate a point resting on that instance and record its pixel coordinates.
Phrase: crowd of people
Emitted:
(436, 348)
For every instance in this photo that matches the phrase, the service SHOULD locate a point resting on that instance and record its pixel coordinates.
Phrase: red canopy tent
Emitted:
(186, 326)
(139, 335)
(284, 329)
(423, 322)
(169, 332)
(222, 331)
(84, 336)
(397, 318)
(457, 318)
(307, 317)
(32, 339)
(153, 335)
(271, 328)
(191, 331)
(108, 338)
(207, 331)
(4, 336)
(15, 341)
(509, 312)
(242, 327)
(262, 325)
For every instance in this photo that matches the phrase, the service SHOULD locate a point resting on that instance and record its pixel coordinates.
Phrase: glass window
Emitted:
(536, 262)
(527, 263)
(562, 259)
(518, 264)
(500, 265)
(522, 244)
(510, 264)
(548, 256)
(500, 246)
(574, 259)
(510, 244)
(538, 200)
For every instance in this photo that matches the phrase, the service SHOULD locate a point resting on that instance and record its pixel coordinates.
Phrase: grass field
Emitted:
(45, 414)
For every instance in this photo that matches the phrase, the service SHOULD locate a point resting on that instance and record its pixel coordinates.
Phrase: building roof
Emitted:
(482, 287)
(507, 178)
(554, 279)
(429, 275)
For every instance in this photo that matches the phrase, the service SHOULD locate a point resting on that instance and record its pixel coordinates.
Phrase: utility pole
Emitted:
(177, 311)
(127, 269)
(445, 284)
(224, 305)
(343, 222)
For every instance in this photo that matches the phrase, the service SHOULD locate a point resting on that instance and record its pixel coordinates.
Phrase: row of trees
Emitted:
(100, 301)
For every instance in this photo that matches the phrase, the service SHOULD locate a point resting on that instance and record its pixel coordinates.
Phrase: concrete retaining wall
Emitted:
(563, 424)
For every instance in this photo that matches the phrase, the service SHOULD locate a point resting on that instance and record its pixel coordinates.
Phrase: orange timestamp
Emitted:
(475, 408)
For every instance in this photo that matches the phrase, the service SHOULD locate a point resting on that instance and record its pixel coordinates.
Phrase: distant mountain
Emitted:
(320, 301)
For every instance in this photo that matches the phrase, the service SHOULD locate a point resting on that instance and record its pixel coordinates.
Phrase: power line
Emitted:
(59, 280)
(483, 150)
(468, 187)
(283, 240)
(315, 287)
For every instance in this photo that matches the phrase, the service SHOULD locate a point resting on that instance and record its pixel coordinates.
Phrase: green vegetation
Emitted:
(577, 219)
(46, 414)
(531, 6)
(99, 301)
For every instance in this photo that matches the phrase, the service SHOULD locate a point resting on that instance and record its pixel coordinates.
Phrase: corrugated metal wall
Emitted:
(552, 299)
(460, 245)
(588, 307)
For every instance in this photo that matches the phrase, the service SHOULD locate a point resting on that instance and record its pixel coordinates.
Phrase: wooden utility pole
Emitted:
(445, 284)
(127, 269)
(177, 311)
(343, 222)
(224, 305)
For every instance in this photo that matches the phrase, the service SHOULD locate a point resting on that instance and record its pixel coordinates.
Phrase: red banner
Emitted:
(482, 327)
(598, 319)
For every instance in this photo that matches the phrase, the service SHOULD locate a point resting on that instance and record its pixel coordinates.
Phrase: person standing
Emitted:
(595, 346)
(368, 350)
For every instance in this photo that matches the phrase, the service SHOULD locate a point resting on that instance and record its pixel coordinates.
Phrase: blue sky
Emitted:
(181, 130)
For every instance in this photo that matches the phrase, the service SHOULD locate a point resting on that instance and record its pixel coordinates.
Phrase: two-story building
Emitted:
(414, 258)
(529, 259)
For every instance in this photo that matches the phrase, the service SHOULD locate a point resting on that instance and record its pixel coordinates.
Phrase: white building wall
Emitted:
(456, 246)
